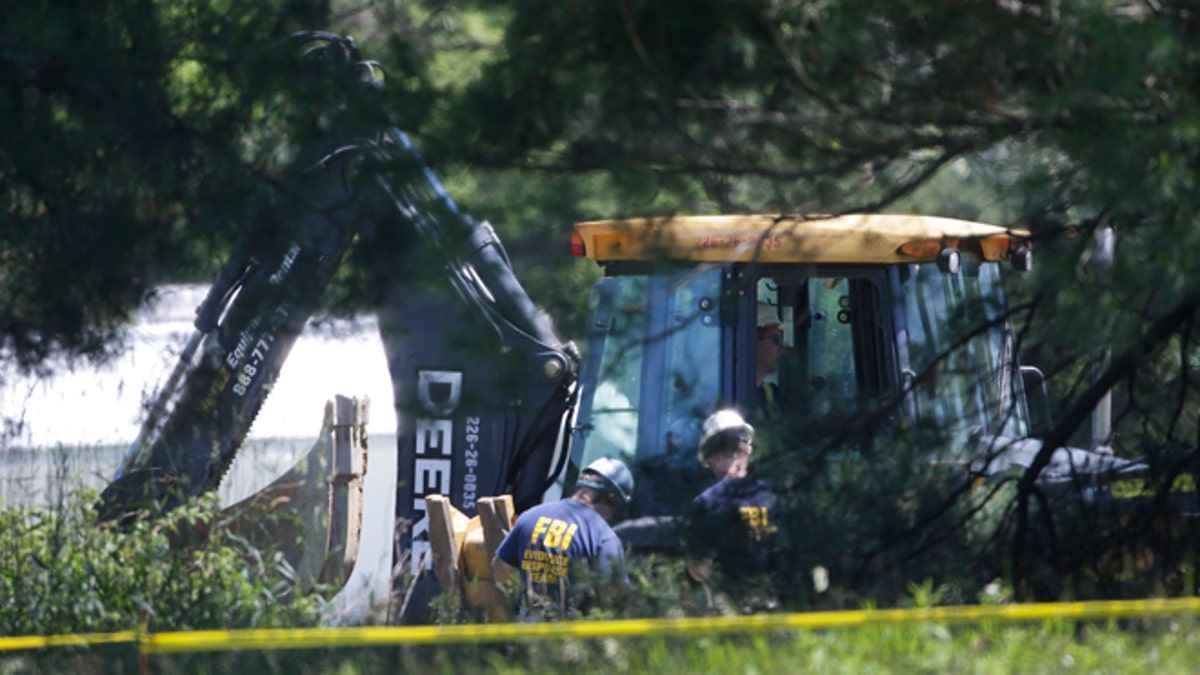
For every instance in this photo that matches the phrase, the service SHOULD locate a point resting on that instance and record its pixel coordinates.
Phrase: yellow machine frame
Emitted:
(875, 238)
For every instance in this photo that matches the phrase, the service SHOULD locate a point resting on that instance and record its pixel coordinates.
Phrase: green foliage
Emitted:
(118, 162)
(1049, 647)
(875, 512)
(60, 573)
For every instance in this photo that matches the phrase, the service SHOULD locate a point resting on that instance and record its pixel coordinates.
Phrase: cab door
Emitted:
(657, 361)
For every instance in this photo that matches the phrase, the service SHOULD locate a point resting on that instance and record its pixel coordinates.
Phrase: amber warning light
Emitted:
(577, 248)
(926, 249)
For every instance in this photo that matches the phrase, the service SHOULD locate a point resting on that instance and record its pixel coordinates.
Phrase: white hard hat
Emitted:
(767, 315)
(722, 421)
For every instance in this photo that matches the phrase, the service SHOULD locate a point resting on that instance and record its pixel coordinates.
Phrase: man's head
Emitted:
(770, 341)
(610, 481)
(723, 436)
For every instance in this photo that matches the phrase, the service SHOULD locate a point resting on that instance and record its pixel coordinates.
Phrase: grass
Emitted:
(61, 574)
(1166, 646)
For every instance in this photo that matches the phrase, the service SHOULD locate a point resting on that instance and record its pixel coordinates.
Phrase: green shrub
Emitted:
(61, 573)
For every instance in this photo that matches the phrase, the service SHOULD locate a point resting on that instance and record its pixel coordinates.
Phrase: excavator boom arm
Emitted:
(485, 392)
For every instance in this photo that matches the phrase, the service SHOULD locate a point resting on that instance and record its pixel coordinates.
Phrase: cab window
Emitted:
(962, 350)
(656, 350)
(836, 346)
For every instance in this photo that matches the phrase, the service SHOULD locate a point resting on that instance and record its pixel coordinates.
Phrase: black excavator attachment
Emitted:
(485, 392)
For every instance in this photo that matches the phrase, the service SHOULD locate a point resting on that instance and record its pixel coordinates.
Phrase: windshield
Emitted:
(961, 350)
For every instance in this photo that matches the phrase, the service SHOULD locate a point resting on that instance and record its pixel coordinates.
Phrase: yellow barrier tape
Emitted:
(74, 640)
(314, 638)
(374, 636)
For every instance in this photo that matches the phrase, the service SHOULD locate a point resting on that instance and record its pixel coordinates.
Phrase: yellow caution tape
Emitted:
(376, 636)
(74, 640)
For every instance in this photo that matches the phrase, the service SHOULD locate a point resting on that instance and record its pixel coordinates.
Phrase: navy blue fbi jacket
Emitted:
(548, 540)
(732, 522)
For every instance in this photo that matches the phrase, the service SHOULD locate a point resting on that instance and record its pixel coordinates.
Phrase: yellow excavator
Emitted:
(491, 403)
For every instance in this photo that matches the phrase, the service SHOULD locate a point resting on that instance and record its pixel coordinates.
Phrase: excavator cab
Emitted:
(793, 318)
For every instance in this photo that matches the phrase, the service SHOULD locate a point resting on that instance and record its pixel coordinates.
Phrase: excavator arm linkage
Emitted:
(485, 392)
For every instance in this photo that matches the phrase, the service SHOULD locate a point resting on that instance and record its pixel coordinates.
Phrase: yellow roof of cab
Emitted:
(857, 238)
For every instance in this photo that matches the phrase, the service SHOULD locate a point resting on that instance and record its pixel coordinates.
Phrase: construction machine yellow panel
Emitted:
(875, 238)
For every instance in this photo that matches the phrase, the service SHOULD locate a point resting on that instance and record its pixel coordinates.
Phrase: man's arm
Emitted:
(611, 560)
(698, 529)
(503, 569)
(700, 570)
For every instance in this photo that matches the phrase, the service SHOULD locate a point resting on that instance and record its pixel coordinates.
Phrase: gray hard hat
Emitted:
(723, 421)
(613, 475)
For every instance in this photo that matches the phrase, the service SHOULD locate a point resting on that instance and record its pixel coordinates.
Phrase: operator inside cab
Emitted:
(769, 351)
